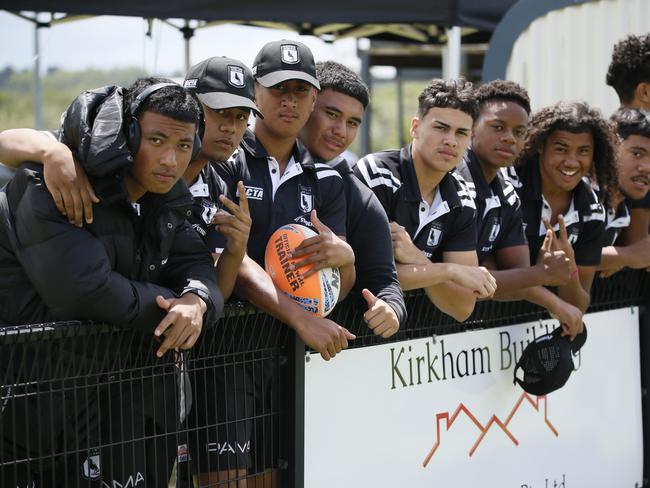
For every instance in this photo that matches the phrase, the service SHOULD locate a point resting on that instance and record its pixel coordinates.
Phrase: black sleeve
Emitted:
(589, 246)
(463, 231)
(70, 270)
(369, 236)
(379, 178)
(190, 268)
(512, 234)
(332, 208)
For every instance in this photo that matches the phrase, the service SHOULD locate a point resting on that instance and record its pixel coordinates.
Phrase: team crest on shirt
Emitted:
(434, 236)
(236, 76)
(306, 199)
(494, 233)
(289, 53)
(91, 466)
(209, 211)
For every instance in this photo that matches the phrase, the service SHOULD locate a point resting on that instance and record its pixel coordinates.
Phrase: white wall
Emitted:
(565, 54)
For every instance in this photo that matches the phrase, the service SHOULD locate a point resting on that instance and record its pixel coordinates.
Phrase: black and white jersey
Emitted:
(585, 218)
(498, 208)
(368, 234)
(276, 200)
(447, 225)
(616, 219)
(205, 193)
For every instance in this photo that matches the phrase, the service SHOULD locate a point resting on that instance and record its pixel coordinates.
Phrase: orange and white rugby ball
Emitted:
(317, 293)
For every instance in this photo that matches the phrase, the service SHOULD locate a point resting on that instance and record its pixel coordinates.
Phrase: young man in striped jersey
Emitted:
(433, 217)
(497, 139)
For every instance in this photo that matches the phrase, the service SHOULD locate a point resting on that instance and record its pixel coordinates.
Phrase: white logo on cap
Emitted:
(290, 54)
(190, 83)
(236, 76)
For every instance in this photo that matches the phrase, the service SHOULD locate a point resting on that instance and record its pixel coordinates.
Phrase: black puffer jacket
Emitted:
(110, 270)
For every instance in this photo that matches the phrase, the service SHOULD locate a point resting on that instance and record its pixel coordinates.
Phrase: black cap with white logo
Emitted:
(547, 362)
(284, 60)
(222, 83)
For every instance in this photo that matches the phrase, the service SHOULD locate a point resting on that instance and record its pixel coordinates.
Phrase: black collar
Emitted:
(254, 147)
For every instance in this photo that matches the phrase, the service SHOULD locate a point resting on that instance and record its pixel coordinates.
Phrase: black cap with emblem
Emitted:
(284, 60)
(222, 83)
(547, 362)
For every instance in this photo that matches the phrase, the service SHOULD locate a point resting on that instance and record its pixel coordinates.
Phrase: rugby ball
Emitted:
(317, 293)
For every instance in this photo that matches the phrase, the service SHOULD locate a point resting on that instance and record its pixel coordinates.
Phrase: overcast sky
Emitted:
(107, 42)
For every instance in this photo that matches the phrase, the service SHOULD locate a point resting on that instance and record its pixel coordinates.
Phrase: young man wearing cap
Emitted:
(285, 186)
(330, 130)
(433, 217)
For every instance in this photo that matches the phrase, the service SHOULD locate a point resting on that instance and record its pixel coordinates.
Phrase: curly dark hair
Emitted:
(342, 79)
(630, 66)
(575, 117)
(504, 90)
(458, 94)
(631, 122)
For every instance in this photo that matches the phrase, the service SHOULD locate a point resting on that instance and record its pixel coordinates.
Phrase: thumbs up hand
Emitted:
(380, 317)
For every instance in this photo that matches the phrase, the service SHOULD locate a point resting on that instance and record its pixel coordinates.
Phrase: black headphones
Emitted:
(133, 133)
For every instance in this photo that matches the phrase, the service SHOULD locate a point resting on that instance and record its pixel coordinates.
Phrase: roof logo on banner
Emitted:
(535, 402)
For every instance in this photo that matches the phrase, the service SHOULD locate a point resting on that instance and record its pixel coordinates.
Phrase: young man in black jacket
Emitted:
(330, 130)
(137, 265)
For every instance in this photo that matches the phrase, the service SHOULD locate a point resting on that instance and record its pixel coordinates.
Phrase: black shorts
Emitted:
(220, 422)
(78, 433)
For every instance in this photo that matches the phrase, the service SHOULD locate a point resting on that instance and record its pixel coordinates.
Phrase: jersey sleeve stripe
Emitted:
(368, 164)
(320, 173)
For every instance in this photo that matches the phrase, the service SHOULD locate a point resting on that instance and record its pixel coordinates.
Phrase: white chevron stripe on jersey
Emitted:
(379, 176)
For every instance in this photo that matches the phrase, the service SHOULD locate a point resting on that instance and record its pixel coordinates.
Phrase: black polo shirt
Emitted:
(448, 225)
(616, 219)
(498, 208)
(276, 200)
(368, 234)
(205, 192)
(585, 218)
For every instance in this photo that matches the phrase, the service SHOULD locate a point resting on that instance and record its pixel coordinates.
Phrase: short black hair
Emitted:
(458, 94)
(171, 101)
(342, 79)
(575, 117)
(631, 122)
(630, 66)
(503, 90)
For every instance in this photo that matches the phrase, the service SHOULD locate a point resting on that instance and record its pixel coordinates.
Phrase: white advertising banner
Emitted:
(443, 412)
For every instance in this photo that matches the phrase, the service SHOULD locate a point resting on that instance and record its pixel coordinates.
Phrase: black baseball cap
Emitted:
(222, 83)
(547, 362)
(284, 60)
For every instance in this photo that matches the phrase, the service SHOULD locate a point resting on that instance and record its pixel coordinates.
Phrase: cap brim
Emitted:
(223, 100)
(276, 77)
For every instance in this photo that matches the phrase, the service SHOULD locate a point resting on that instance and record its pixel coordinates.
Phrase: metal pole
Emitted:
(364, 140)
(400, 108)
(451, 54)
(187, 44)
(37, 102)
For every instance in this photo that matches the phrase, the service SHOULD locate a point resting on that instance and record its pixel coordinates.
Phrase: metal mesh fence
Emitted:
(85, 404)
